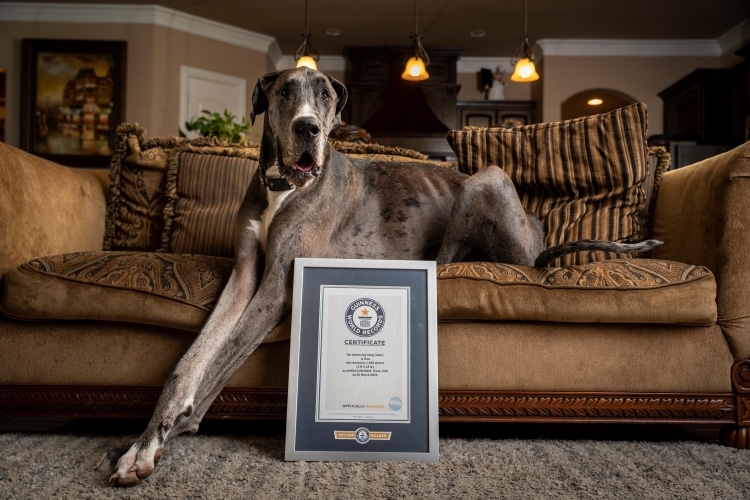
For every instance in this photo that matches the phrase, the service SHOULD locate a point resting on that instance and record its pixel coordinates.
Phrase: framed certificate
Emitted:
(363, 366)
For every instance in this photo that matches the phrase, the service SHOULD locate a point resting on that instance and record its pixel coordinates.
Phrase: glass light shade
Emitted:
(307, 61)
(525, 71)
(415, 70)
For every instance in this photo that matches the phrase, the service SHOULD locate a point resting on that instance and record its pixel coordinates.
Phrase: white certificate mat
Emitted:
(363, 372)
(363, 361)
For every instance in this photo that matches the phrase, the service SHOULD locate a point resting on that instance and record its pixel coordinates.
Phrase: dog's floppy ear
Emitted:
(260, 95)
(342, 94)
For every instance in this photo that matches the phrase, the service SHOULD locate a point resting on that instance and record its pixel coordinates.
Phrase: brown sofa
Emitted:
(105, 285)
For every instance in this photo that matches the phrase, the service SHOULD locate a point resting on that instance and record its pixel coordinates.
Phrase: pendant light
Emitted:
(525, 71)
(306, 55)
(416, 67)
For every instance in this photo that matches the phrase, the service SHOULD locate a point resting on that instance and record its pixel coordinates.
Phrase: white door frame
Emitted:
(201, 89)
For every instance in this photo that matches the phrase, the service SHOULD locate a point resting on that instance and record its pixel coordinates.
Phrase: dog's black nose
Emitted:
(305, 127)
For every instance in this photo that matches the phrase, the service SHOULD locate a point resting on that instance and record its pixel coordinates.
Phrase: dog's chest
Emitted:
(275, 201)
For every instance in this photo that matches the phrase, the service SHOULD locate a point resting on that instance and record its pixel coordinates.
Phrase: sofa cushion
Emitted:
(161, 289)
(613, 291)
(178, 291)
(586, 178)
(172, 290)
(205, 187)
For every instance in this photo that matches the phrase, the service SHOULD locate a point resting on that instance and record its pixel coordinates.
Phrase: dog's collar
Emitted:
(274, 183)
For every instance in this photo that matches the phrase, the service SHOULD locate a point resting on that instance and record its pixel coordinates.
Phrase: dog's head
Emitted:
(302, 106)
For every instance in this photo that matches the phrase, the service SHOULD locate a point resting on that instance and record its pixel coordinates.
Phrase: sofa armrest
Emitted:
(46, 209)
(703, 216)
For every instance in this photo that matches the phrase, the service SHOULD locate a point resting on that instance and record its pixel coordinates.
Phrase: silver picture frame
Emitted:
(363, 374)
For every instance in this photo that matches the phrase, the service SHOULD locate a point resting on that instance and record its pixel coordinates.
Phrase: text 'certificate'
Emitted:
(363, 370)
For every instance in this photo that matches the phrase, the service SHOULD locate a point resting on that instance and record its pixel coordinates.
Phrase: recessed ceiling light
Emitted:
(478, 33)
(333, 31)
(595, 101)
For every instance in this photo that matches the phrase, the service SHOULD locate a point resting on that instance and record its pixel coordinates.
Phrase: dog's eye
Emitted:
(285, 93)
(325, 95)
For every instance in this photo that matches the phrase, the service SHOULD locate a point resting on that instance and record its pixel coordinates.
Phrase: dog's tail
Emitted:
(553, 253)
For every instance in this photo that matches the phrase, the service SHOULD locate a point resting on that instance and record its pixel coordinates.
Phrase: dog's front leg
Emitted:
(267, 309)
(174, 410)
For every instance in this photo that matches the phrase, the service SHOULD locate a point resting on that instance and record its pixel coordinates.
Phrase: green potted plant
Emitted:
(222, 125)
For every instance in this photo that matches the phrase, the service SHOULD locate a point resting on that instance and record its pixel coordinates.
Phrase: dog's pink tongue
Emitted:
(304, 163)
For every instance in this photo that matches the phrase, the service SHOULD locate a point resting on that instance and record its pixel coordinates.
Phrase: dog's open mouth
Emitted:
(305, 163)
(302, 171)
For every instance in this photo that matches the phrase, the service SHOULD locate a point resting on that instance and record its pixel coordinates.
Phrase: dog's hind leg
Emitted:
(489, 223)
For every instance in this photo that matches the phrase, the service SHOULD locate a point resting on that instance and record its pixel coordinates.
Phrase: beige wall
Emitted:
(155, 54)
(639, 77)
(642, 78)
(470, 92)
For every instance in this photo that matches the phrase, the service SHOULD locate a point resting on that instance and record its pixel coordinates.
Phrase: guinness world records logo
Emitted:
(362, 435)
(365, 317)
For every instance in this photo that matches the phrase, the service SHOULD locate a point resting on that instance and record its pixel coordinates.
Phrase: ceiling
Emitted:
(450, 23)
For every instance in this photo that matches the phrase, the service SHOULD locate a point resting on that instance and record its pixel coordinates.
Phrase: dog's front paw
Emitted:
(130, 465)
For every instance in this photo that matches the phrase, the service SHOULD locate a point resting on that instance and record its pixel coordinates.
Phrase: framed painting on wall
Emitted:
(72, 99)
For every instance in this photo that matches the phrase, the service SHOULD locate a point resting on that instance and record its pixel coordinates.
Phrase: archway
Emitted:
(594, 101)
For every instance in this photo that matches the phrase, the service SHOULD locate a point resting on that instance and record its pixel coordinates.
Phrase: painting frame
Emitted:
(83, 84)
(401, 296)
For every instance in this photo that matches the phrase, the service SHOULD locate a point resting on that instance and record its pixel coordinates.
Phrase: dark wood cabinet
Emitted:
(495, 113)
(415, 115)
(418, 115)
(699, 108)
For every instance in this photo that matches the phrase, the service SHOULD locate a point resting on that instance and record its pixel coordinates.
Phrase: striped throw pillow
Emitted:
(205, 188)
(585, 178)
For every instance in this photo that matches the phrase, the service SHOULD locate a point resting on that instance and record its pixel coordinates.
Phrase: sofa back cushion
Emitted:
(586, 178)
(205, 187)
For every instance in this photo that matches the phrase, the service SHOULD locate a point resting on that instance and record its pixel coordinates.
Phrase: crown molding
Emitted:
(325, 63)
(474, 64)
(626, 48)
(735, 38)
(194, 25)
(139, 14)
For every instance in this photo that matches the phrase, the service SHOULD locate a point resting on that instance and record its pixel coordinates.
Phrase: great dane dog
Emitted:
(308, 200)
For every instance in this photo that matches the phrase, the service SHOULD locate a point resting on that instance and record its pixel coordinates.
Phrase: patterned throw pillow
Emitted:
(205, 187)
(134, 219)
(586, 178)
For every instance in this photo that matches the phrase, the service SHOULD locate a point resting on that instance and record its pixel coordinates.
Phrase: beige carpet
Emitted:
(212, 466)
